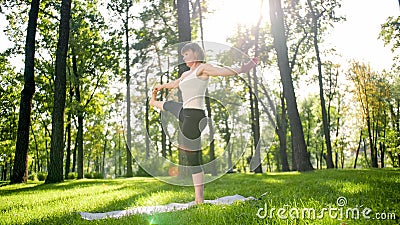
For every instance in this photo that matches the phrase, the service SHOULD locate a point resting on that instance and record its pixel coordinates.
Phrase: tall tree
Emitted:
(129, 172)
(57, 137)
(317, 17)
(122, 12)
(256, 112)
(390, 31)
(92, 57)
(281, 130)
(79, 134)
(280, 45)
(10, 87)
(370, 92)
(20, 169)
(184, 36)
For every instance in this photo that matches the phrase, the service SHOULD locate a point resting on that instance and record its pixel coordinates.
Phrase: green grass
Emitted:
(377, 189)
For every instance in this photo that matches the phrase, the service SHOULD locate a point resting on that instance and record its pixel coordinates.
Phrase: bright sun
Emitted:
(246, 12)
(228, 14)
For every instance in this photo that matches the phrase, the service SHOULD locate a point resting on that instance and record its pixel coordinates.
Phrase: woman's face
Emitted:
(189, 57)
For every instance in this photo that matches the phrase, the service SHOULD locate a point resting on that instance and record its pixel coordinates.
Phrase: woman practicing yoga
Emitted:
(190, 112)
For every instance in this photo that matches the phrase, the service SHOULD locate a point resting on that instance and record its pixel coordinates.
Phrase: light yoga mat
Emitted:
(227, 200)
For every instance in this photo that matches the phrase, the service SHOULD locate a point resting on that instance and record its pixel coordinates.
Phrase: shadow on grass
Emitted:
(68, 184)
(320, 185)
(147, 189)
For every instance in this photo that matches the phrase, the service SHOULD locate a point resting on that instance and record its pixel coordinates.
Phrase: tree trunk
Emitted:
(147, 119)
(20, 169)
(37, 161)
(96, 164)
(227, 137)
(252, 123)
(382, 149)
(79, 140)
(358, 151)
(4, 172)
(163, 142)
(365, 152)
(74, 155)
(119, 156)
(281, 131)
(398, 127)
(374, 155)
(322, 155)
(103, 170)
(129, 172)
(398, 159)
(325, 123)
(337, 127)
(47, 146)
(164, 91)
(79, 134)
(10, 167)
(257, 156)
(296, 128)
(383, 143)
(212, 143)
(88, 161)
(163, 135)
(68, 130)
(57, 143)
(208, 106)
(280, 128)
(35, 167)
(184, 35)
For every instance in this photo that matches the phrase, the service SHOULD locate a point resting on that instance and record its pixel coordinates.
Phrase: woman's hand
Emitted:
(249, 65)
(159, 87)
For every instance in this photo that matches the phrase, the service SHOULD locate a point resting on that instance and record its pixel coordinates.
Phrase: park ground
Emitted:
(369, 196)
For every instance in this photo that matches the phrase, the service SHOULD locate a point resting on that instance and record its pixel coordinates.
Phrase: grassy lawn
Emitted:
(290, 199)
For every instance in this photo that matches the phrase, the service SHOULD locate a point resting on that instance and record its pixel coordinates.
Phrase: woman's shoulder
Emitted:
(203, 67)
(200, 71)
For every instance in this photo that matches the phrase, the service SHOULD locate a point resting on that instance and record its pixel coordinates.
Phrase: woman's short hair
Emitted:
(196, 49)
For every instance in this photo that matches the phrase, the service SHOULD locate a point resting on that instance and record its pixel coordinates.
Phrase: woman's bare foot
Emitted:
(198, 182)
(199, 201)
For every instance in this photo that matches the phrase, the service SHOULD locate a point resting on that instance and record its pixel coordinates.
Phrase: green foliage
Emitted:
(376, 94)
(88, 175)
(42, 176)
(72, 175)
(10, 88)
(142, 173)
(33, 177)
(94, 175)
(37, 176)
(390, 32)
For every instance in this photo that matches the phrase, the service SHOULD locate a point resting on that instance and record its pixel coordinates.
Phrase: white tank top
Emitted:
(193, 91)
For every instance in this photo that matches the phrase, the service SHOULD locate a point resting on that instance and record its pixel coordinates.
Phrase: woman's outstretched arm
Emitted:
(170, 85)
(207, 70)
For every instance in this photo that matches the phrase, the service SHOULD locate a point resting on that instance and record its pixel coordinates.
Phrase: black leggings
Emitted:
(192, 122)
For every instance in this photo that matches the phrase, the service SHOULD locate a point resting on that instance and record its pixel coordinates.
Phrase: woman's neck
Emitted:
(194, 66)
